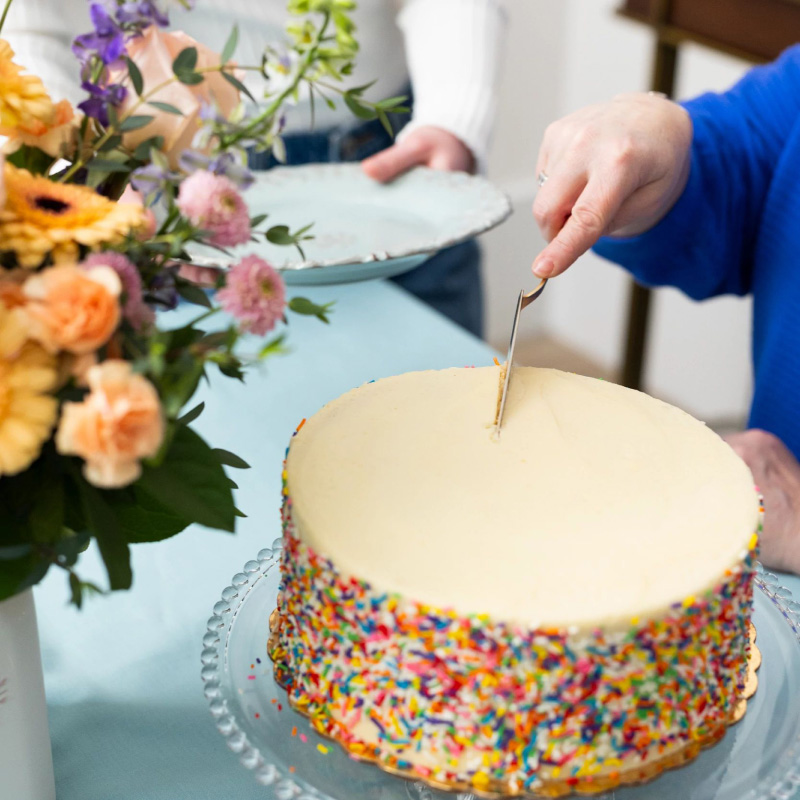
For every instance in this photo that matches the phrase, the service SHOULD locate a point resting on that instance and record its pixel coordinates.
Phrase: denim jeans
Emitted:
(450, 281)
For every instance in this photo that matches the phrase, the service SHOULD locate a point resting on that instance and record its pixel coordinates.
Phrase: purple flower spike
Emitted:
(142, 14)
(100, 98)
(107, 40)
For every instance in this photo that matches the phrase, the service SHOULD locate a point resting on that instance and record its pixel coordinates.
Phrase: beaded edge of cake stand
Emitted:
(634, 777)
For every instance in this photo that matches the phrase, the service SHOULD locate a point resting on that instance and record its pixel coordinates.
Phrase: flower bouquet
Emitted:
(98, 208)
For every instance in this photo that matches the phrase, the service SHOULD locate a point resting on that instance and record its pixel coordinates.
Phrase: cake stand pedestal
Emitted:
(759, 758)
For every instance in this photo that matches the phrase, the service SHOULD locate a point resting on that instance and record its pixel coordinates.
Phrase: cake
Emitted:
(561, 606)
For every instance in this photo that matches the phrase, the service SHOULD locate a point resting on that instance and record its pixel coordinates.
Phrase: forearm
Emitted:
(454, 52)
(705, 244)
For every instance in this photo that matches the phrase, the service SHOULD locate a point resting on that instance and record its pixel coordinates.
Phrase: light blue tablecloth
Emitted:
(127, 712)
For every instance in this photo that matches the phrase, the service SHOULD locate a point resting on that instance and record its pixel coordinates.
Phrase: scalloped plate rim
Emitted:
(498, 213)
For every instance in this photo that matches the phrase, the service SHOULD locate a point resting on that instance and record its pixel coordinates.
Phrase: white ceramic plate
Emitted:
(363, 229)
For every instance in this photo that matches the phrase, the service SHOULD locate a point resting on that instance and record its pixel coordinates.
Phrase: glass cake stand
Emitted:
(759, 758)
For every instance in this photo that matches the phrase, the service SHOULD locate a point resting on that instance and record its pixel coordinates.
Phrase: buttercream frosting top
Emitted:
(596, 504)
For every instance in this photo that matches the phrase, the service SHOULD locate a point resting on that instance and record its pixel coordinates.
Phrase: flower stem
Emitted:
(5, 13)
(279, 100)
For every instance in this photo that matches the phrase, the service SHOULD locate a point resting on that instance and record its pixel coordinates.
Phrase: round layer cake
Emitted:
(545, 609)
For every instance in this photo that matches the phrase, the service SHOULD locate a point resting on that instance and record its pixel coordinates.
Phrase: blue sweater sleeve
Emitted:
(704, 245)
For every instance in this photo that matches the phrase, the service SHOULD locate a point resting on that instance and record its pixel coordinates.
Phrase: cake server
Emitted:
(523, 301)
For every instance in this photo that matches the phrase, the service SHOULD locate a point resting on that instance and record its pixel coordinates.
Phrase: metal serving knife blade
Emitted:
(523, 301)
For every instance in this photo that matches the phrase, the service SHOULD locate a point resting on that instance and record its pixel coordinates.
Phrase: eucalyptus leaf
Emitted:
(230, 45)
(135, 121)
(167, 108)
(190, 78)
(185, 61)
(135, 75)
(107, 165)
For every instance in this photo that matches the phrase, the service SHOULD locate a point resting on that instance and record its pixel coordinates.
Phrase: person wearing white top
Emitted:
(447, 50)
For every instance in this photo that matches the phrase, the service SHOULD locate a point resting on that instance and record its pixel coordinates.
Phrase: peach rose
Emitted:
(153, 53)
(73, 309)
(59, 139)
(114, 427)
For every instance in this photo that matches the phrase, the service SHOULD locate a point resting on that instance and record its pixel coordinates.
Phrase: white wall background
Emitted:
(560, 57)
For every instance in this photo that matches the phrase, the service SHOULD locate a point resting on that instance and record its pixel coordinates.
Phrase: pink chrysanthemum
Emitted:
(134, 309)
(254, 294)
(213, 203)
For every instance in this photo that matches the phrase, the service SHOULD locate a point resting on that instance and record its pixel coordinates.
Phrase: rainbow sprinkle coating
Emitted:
(464, 700)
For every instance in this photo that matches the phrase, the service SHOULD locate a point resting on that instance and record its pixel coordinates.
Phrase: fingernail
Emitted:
(543, 268)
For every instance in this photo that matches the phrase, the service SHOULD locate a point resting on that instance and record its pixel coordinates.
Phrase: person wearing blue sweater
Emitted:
(703, 196)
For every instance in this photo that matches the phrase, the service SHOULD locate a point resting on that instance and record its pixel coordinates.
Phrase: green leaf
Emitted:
(102, 522)
(359, 90)
(191, 482)
(112, 143)
(185, 61)
(387, 126)
(279, 234)
(190, 78)
(150, 149)
(193, 294)
(106, 165)
(134, 122)
(144, 518)
(20, 573)
(191, 416)
(79, 588)
(273, 347)
(32, 159)
(47, 516)
(167, 108)
(136, 76)
(232, 369)
(257, 220)
(234, 81)
(302, 305)
(361, 111)
(230, 45)
(76, 590)
(391, 102)
(229, 459)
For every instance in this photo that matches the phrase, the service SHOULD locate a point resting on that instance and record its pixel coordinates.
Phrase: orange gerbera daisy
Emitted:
(44, 218)
(24, 103)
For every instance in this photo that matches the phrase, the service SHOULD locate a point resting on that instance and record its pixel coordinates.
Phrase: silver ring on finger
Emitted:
(541, 179)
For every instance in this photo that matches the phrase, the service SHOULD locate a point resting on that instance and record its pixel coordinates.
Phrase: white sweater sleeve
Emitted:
(454, 52)
(41, 32)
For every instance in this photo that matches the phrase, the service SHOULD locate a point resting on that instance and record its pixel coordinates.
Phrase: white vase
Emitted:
(26, 762)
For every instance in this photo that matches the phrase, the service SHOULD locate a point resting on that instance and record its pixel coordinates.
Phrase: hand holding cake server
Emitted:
(701, 196)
